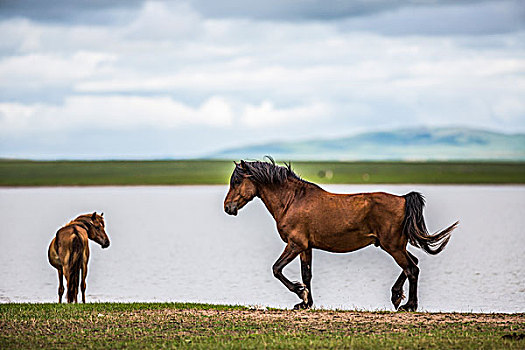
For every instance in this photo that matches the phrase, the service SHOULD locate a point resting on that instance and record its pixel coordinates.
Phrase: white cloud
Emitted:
(266, 115)
(164, 21)
(112, 112)
(19, 35)
(130, 112)
(44, 70)
(510, 107)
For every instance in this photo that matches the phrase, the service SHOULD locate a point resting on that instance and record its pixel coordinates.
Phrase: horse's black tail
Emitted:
(416, 230)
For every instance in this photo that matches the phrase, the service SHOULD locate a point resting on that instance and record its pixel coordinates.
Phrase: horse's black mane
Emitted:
(264, 172)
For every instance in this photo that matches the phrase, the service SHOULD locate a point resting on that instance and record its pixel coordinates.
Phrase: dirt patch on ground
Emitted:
(330, 319)
(348, 316)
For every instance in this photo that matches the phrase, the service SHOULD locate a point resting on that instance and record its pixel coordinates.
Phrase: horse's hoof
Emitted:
(301, 291)
(396, 299)
(408, 307)
(304, 295)
(301, 306)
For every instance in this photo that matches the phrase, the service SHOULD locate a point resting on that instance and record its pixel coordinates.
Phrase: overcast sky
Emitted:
(152, 79)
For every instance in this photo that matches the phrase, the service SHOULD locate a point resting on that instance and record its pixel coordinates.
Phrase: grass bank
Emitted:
(200, 172)
(174, 325)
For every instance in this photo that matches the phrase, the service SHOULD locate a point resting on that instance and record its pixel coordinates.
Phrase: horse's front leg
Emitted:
(306, 274)
(289, 253)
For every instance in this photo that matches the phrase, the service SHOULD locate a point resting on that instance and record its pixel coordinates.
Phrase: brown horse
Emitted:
(69, 252)
(308, 217)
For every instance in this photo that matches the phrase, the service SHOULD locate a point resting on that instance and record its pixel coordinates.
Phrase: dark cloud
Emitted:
(390, 17)
(294, 9)
(482, 18)
(69, 11)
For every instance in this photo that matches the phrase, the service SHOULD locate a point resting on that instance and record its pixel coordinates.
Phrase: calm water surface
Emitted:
(177, 244)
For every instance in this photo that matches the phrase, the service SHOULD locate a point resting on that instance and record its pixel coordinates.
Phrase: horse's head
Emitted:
(242, 189)
(97, 230)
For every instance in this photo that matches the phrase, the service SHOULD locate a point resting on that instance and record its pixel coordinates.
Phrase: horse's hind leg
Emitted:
(306, 274)
(410, 269)
(72, 284)
(289, 253)
(397, 288)
(60, 285)
(69, 294)
(83, 282)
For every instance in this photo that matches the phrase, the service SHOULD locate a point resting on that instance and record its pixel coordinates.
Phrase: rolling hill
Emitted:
(402, 144)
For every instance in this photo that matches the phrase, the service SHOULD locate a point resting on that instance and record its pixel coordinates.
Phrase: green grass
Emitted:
(203, 326)
(199, 172)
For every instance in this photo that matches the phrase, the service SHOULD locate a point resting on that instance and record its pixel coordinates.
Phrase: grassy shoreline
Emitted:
(176, 325)
(210, 172)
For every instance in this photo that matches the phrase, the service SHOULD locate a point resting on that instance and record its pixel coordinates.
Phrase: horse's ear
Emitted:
(236, 164)
(94, 215)
(101, 214)
(243, 165)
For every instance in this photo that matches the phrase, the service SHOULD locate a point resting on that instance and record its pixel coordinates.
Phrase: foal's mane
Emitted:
(84, 218)
(81, 218)
(266, 173)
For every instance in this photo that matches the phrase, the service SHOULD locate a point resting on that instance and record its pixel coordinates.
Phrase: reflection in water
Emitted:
(177, 244)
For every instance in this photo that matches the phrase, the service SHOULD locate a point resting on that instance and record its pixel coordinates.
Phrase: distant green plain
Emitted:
(210, 172)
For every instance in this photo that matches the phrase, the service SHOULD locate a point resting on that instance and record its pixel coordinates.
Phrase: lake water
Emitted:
(177, 244)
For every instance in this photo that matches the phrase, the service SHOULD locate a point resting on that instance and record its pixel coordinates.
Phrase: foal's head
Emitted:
(97, 230)
(242, 189)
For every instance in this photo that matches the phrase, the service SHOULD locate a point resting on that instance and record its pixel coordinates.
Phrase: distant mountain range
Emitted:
(403, 144)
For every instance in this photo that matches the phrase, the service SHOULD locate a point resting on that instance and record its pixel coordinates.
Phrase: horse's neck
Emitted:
(82, 221)
(278, 198)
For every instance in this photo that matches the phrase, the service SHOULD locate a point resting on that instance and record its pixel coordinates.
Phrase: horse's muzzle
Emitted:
(231, 208)
(105, 245)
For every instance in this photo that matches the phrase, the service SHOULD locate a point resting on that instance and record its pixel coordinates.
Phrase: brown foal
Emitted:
(309, 217)
(69, 252)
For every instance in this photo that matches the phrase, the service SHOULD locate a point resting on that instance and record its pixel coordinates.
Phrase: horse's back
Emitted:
(360, 205)
(71, 244)
(388, 206)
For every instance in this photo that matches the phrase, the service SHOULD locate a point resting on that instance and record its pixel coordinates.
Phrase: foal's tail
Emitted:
(416, 230)
(74, 268)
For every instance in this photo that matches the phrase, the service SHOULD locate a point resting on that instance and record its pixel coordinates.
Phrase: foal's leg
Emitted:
(411, 271)
(289, 253)
(67, 274)
(72, 284)
(60, 285)
(83, 282)
(306, 274)
(75, 288)
(397, 288)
